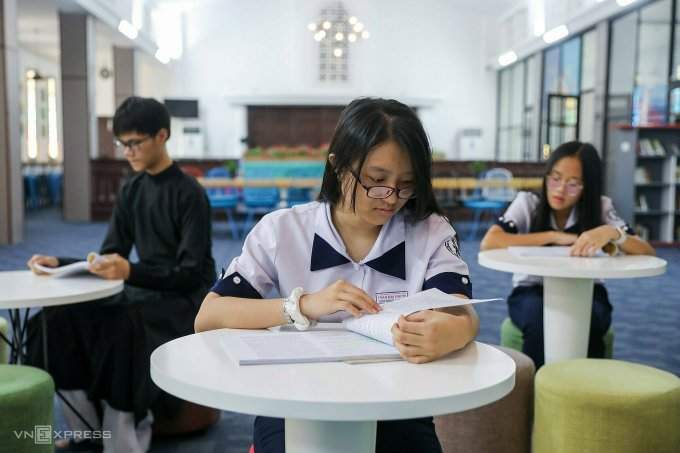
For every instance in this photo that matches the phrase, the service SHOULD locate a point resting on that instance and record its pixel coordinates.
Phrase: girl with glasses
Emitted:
(569, 211)
(374, 235)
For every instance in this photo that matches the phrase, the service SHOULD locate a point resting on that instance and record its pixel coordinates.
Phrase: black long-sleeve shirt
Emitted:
(167, 218)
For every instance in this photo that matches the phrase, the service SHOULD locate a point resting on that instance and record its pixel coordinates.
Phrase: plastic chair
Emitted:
(55, 178)
(223, 198)
(493, 199)
(258, 200)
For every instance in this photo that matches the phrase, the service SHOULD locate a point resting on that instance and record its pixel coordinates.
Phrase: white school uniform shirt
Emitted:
(300, 246)
(517, 219)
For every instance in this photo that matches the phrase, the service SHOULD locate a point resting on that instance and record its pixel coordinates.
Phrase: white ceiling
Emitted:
(38, 24)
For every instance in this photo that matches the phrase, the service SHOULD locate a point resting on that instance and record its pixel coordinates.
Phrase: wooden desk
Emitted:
(437, 183)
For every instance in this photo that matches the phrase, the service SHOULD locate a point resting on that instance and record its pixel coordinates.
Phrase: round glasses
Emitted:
(380, 192)
(570, 187)
(132, 144)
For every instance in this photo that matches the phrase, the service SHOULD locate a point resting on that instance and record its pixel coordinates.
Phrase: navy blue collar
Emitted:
(392, 262)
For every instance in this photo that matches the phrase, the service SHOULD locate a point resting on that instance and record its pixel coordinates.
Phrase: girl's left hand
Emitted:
(593, 240)
(427, 335)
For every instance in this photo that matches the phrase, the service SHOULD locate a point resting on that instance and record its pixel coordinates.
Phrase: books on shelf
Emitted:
(651, 147)
(368, 338)
(73, 268)
(642, 203)
(642, 175)
(642, 231)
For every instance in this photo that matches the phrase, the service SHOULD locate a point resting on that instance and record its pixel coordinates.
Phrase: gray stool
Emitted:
(504, 425)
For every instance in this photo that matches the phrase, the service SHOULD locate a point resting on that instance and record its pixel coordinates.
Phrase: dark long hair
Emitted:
(369, 122)
(589, 206)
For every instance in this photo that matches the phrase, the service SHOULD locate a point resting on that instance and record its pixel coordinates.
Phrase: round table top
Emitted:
(24, 289)
(625, 266)
(196, 368)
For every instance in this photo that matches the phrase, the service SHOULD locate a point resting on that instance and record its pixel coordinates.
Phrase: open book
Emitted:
(356, 339)
(546, 251)
(73, 268)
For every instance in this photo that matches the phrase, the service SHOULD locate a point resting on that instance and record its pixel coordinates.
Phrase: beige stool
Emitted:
(600, 406)
(502, 426)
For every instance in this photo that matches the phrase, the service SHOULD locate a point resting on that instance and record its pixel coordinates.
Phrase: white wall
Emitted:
(418, 49)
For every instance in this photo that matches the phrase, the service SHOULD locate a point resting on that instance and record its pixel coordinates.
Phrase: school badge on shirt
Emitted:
(453, 246)
(384, 298)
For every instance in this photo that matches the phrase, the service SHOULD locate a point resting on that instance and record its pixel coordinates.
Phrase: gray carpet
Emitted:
(646, 310)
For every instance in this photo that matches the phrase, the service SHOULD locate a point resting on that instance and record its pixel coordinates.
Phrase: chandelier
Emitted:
(336, 29)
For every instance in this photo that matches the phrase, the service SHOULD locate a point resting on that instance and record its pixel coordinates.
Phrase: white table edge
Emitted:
(300, 410)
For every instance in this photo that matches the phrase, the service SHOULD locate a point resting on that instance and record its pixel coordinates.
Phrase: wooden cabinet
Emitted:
(642, 178)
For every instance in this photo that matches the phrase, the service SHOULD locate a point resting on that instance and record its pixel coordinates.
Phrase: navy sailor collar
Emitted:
(388, 255)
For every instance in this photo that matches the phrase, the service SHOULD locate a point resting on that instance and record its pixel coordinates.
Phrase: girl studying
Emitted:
(374, 236)
(569, 211)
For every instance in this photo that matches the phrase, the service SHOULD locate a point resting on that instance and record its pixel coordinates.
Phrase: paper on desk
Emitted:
(546, 251)
(73, 268)
(379, 326)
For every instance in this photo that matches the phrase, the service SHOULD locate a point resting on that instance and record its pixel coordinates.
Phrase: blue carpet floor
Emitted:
(646, 310)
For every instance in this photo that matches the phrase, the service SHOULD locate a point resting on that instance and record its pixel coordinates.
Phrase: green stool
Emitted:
(26, 409)
(511, 337)
(4, 347)
(598, 405)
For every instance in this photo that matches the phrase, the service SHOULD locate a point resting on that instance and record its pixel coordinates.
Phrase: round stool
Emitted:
(512, 337)
(598, 405)
(26, 409)
(504, 425)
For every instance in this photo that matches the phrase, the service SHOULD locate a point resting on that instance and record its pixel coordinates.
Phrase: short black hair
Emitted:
(369, 122)
(589, 206)
(142, 115)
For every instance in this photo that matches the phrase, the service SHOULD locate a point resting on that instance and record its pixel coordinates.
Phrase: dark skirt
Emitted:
(104, 346)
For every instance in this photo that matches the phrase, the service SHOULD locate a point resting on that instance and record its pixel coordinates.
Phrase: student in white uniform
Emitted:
(570, 210)
(375, 235)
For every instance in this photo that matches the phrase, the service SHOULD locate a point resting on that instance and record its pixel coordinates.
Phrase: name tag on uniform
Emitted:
(383, 298)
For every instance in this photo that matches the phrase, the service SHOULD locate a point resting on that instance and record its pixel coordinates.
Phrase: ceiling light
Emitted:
(507, 58)
(128, 29)
(555, 34)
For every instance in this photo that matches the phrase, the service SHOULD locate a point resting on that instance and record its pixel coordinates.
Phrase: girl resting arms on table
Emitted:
(570, 210)
(375, 234)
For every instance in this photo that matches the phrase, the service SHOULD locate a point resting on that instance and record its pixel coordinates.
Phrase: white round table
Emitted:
(568, 291)
(331, 406)
(24, 289)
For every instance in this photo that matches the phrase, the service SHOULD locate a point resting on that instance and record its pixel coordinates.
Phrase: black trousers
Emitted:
(394, 436)
(525, 306)
(104, 346)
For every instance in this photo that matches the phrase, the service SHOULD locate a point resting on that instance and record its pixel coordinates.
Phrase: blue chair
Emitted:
(31, 190)
(490, 199)
(223, 198)
(258, 200)
(54, 179)
(298, 195)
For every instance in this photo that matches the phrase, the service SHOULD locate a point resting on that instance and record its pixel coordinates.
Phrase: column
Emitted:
(11, 184)
(79, 122)
(124, 73)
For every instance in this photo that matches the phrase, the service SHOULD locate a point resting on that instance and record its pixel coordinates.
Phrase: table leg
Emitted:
(566, 317)
(312, 436)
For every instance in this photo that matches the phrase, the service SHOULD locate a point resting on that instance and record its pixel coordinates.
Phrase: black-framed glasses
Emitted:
(132, 144)
(380, 192)
(572, 188)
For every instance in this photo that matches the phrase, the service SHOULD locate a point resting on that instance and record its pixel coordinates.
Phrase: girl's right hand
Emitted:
(49, 261)
(339, 296)
(562, 238)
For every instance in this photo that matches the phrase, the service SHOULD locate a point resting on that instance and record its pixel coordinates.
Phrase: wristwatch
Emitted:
(292, 313)
(622, 229)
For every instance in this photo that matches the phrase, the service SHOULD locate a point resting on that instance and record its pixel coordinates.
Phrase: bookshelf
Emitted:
(643, 178)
